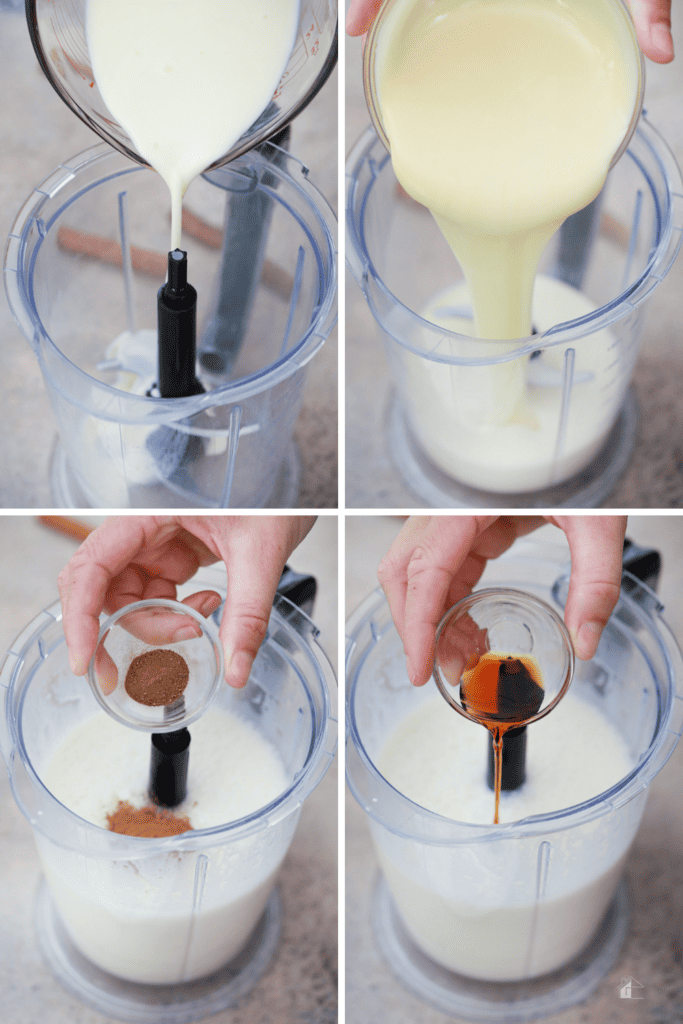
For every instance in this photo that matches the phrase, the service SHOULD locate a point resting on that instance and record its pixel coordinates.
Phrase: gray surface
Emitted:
(300, 985)
(653, 950)
(655, 476)
(38, 132)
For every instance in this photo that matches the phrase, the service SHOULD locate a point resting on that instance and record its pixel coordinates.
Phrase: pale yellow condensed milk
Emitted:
(503, 117)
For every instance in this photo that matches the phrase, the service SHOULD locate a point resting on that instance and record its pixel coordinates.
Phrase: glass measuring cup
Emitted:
(92, 324)
(547, 886)
(57, 30)
(125, 922)
(595, 279)
(139, 629)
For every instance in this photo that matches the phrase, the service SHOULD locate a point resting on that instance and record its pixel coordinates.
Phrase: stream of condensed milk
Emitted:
(187, 78)
(503, 117)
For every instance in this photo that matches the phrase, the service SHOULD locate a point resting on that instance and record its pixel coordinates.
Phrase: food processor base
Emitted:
(68, 493)
(500, 1002)
(585, 490)
(155, 1004)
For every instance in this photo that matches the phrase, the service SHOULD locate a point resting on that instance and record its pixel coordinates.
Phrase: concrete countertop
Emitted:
(654, 478)
(653, 951)
(38, 133)
(300, 985)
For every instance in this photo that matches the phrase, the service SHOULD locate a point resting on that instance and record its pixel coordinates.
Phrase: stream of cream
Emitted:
(503, 117)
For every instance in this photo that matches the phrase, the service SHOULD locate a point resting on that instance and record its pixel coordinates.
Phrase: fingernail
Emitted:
(209, 604)
(660, 37)
(107, 686)
(187, 633)
(412, 674)
(78, 666)
(587, 640)
(238, 667)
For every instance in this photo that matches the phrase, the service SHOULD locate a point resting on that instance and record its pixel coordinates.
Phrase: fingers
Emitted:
(652, 19)
(130, 558)
(428, 568)
(596, 544)
(435, 561)
(84, 581)
(106, 672)
(162, 626)
(361, 15)
(255, 552)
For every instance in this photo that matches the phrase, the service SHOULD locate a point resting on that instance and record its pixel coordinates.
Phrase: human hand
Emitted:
(134, 558)
(436, 560)
(652, 19)
(361, 15)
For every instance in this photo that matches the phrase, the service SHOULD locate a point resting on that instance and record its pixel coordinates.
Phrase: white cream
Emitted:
(479, 908)
(444, 401)
(137, 918)
(503, 117)
(187, 78)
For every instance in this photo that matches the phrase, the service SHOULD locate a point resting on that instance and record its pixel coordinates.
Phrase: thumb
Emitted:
(254, 561)
(652, 19)
(596, 544)
(245, 617)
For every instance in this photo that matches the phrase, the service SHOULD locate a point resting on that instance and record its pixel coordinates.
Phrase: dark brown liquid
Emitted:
(502, 691)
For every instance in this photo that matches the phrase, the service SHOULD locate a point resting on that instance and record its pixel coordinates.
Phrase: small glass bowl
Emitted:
(375, 44)
(503, 621)
(147, 626)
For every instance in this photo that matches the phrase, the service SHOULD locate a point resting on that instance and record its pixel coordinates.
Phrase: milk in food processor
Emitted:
(159, 898)
(507, 122)
(521, 918)
(87, 255)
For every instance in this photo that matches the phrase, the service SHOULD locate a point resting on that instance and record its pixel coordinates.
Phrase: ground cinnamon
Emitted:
(150, 821)
(157, 678)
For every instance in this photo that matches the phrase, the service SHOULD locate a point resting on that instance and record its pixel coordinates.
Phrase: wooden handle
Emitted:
(153, 264)
(73, 528)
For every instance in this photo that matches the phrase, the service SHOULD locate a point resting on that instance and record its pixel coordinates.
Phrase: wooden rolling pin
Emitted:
(72, 528)
(154, 264)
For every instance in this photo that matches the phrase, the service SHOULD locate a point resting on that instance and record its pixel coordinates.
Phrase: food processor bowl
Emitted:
(83, 264)
(179, 927)
(516, 921)
(595, 278)
(57, 30)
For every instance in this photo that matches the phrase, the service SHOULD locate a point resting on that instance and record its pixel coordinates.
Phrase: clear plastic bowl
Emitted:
(601, 267)
(180, 927)
(543, 896)
(263, 313)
